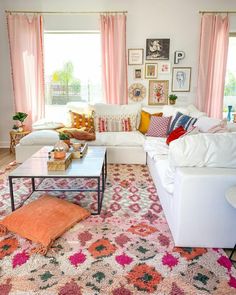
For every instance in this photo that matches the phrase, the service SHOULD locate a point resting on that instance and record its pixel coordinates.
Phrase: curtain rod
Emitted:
(63, 12)
(219, 11)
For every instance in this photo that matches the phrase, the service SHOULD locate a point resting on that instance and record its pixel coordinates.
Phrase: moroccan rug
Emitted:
(126, 250)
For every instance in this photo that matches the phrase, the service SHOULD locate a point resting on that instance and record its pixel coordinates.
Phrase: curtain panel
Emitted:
(214, 40)
(26, 51)
(114, 62)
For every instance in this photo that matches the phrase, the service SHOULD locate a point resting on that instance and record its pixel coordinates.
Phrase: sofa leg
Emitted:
(232, 253)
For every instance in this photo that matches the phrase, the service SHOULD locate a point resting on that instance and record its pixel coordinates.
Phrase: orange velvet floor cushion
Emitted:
(43, 220)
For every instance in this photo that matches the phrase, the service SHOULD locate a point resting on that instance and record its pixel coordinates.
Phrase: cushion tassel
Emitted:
(3, 230)
(40, 249)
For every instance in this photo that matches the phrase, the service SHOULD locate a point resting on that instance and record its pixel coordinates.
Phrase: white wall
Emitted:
(177, 20)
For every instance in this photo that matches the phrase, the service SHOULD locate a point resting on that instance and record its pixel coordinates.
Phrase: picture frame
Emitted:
(138, 73)
(157, 49)
(181, 79)
(158, 92)
(135, 56)
(137, 92)
(150, 71)
(164, 67)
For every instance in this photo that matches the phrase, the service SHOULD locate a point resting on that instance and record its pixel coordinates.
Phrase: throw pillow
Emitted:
(145, 121)
(81, 134)
(106, 124)
(158, 126)
(43, 220)
(181, 120)
(206, 123)
(175, 134)
(82, 120)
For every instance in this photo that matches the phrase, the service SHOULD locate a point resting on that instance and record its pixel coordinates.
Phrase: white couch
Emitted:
(191, 176)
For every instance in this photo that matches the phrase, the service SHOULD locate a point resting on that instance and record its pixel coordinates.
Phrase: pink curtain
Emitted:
(114, 62)
(26, 50)
(214, 40)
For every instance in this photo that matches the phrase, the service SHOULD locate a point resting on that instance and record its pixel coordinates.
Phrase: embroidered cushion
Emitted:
(175, 134)
(145, 121)
(43, 220)
(117, 124)
(82, 120)
(158, 126)
(181, 120)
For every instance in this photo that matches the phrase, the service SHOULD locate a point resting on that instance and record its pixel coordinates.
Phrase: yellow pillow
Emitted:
(145, 121)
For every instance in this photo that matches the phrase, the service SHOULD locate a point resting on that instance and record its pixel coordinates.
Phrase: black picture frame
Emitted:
(157, 49)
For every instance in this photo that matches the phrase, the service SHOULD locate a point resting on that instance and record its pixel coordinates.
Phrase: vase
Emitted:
(61, 146)
(229, 113)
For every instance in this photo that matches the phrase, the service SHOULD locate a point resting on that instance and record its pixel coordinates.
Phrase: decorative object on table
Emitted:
(163, 67)
(138, 73)
(15, 137)
(181, 78)
(20, 116)
(59, 164)
(172, 98)
(41, 221)
(157, 49)
(178, 56)
(158, 92)
(137, 92)
(234, 116)
(135, 56)
(150, 71)
(65, 137)
(229, 113)
(79, 152)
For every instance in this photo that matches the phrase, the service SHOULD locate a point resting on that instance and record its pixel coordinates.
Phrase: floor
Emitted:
(7, 157)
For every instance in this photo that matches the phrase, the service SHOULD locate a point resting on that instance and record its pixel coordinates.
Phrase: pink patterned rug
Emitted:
(126, 250)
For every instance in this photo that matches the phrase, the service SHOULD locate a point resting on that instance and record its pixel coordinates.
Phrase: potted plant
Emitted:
(172, 98)
(65, 137)
(20, 116)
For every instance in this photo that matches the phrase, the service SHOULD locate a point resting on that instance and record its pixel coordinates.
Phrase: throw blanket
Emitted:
(84, 133)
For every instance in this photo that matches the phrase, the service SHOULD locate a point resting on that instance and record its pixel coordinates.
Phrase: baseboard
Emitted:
(4, 144)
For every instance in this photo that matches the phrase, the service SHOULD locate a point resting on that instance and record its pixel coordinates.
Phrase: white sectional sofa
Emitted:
(191, 175)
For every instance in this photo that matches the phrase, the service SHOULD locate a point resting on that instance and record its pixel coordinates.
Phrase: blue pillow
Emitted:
(181, 120)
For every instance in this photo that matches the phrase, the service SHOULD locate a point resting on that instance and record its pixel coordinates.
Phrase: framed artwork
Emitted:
(137, 92)
(135, 56)
(157, 49)
(138, 73)
(164, 67)
(181, 78)
(158, 92)
(150, 71)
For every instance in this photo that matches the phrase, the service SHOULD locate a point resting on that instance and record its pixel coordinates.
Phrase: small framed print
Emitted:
(163, 67)
(181, 78)
(158, 92)
(135, 56)
(138, 73)
(150, 71)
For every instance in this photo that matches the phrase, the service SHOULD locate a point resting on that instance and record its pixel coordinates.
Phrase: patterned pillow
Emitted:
(182, 120)
(104, 125)
(82, 120)
(158, 126)
(145, 121)
(115, 123)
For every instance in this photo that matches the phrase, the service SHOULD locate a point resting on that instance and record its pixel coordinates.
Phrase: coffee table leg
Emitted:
(11, 193)
(99, 192)
(33, 184)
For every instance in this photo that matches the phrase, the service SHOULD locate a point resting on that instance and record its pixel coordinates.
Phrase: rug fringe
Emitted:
(3, 230)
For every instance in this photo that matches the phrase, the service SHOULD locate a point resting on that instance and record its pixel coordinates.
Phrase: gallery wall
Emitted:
(178, 21)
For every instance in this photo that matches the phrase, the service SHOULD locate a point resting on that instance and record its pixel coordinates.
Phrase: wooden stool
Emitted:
(15, 137)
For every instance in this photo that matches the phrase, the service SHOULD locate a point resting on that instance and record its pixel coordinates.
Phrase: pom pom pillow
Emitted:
(43, 220)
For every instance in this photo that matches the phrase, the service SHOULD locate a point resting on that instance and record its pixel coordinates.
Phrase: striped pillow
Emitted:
(182, 120)
(107, 125)
(158, 126)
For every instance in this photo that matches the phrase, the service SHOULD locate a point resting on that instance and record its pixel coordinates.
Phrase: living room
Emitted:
(162, 225)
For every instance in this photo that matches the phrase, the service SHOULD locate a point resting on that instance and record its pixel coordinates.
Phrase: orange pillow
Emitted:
(82, 120)
(81, 134)
(145, 121)
(43, 220)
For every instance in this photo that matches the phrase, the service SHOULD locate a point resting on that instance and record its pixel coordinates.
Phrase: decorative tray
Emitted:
(80, 152)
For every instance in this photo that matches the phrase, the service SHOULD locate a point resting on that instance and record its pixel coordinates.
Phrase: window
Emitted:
(72, 70)
(230, 79)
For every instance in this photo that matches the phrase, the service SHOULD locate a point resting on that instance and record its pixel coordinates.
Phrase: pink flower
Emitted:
(232, 282)
(20, 259)
(77, 258)
(123, 259)
(169, 260)
(224, 261)
(84, 237)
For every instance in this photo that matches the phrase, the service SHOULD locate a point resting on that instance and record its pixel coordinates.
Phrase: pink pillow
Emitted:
(158, 126)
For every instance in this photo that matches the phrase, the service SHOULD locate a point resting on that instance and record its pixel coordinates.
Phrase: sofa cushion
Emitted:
(204, 149)
(40, 137)
(206, 123)
(145, 120)
(169, 110)
(181, 120)
(175, 134)
(158, 126)
(116, 124)
(45, 124)
(82, 120)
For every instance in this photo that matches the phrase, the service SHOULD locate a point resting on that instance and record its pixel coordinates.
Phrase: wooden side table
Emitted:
(230, 196)
(15, 137)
